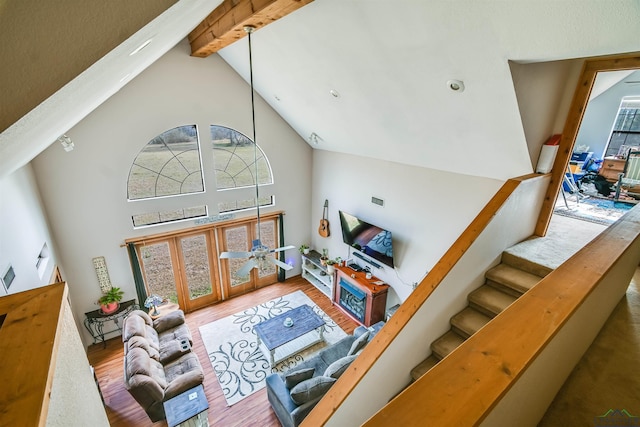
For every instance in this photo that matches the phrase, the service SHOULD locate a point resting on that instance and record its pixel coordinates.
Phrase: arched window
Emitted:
(169, 165)
(235, 160)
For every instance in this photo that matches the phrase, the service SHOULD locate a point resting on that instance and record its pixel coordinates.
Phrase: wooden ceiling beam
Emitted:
(226, 23)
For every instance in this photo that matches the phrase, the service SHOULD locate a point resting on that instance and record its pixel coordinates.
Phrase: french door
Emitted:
(239, 238)
(185, 269)
(181, 269)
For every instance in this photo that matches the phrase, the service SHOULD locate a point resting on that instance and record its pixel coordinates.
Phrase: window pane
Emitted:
(158, 270)
(268, 239)
(239, 205)
(235, 159)
(168, 165)
(237, 241)
(195, 254)
(151, 218)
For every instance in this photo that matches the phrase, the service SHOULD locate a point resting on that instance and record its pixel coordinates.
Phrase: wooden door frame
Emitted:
(590, 70)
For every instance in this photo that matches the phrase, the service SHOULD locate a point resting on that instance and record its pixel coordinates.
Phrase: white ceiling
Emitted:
(390, 61)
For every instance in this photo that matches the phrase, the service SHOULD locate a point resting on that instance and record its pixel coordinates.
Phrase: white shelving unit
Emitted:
(316, 273)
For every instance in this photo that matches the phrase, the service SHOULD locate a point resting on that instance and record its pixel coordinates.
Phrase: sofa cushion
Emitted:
(338, 367)
(169, 320)
(311, 389)
(292, 379)
(143, 343)
(139, 362)
(133, 326)
(359, 344)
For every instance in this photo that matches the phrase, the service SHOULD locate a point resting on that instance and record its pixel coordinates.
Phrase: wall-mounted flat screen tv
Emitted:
(369, 239)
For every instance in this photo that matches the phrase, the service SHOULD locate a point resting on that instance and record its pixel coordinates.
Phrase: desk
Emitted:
(94, 320)
(189, 408)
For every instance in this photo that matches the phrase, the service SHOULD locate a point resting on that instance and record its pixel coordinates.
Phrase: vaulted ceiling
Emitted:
(367, 77)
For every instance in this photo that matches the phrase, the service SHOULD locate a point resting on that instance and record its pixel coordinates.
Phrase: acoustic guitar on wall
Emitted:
(323, 230)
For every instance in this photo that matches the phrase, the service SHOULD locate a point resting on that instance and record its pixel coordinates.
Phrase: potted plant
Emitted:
(304, 249)
(324, 257)
(110, 301)
(331, 265)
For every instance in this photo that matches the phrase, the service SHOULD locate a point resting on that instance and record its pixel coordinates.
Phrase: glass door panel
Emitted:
(236, 239)
(267, 271)
(157, 267)
(198, 282)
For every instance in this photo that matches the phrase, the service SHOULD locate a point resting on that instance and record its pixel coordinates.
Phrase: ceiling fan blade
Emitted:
(279, 263)
(225, 255)
(284, 248)
(245, 269)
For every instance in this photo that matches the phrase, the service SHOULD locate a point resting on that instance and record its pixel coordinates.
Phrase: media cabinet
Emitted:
(360, 298)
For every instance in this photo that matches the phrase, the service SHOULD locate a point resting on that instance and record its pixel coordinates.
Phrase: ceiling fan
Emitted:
(260, 255)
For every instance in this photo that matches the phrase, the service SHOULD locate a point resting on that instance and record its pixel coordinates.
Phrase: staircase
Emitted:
(504, 284)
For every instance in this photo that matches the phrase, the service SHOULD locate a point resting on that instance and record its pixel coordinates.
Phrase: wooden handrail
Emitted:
(27, 365)
(373, 351)
(465, 386)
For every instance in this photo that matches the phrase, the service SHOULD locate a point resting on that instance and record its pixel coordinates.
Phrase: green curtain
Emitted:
(281, 272)
(138, 279)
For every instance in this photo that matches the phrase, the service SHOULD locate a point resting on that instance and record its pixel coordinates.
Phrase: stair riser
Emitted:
(507, 289)
(525, 265)
(483, 310)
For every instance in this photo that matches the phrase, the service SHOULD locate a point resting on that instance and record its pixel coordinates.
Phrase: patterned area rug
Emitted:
(231, 344)
(599, 211)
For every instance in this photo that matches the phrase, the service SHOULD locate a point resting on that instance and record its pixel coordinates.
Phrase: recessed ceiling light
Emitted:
(456, 85)
(142, 46)
(334, 93)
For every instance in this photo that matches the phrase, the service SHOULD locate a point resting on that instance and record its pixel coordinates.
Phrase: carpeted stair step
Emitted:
(489, 300)
(524, 264)
(468, 322)
(511, 280)
(446, 344)
(423, 367)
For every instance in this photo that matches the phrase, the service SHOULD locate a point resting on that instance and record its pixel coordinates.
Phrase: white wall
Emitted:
(85, 190)
(600, 114)
(425, 210)
(541, 88)
(23, 232)
(75, 400)
(514, 222)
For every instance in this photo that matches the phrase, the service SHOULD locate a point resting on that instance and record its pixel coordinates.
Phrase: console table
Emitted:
(94, 320)
(360, 298)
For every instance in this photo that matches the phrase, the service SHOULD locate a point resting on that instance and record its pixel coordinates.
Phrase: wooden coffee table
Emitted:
(272, 334)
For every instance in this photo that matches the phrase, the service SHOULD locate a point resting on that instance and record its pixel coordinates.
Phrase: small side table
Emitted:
(94, 320)
(188, 409)
(163, 309)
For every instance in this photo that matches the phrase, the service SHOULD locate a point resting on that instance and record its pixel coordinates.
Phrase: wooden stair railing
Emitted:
(359, 368)
(465, 387)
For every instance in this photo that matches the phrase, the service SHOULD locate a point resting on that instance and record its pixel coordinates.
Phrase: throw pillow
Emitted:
(311, 389)
(292, 379)
(359, 343)
(338, 367)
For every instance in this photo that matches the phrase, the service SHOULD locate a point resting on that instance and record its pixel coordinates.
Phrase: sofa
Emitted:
(158, 361)
(294, 394)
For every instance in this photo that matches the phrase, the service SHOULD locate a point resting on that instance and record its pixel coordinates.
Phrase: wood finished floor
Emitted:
(254, 410)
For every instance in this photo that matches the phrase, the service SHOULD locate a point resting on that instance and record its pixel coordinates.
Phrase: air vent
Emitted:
(377, 201)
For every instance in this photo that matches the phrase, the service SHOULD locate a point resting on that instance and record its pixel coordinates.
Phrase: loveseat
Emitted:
(158, 361)
(294, 394)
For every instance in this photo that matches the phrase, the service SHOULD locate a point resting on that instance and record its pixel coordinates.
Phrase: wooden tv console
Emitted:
(370, 293)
